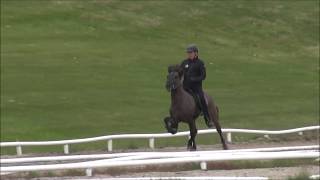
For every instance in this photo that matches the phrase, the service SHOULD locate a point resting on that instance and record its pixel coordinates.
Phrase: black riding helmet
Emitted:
(192, 48)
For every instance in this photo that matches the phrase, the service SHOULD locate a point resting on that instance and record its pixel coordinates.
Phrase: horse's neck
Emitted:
(177, 95)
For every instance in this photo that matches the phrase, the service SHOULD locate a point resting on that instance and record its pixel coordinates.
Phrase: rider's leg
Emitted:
(204, 107)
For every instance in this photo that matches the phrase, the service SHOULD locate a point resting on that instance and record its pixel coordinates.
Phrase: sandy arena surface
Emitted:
(279, 173)
(274, 173)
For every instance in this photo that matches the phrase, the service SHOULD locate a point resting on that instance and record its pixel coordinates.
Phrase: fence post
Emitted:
(66, 149)
(19, 150)
(89, 172)
(110, 145)
(203, 165)
(229, 137)
(151, 143)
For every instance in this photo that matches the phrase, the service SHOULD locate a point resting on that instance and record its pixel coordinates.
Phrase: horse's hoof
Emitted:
(191, 148)
(210, 124)
(168, 125)
(225, 147)
(173, 130)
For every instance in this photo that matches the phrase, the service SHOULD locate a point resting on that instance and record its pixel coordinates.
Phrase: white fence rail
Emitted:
(158, 158)
(150, 137)
(137, 154)
(184, 178)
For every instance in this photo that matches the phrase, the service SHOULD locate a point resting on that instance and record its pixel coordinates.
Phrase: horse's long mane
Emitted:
(172, 68)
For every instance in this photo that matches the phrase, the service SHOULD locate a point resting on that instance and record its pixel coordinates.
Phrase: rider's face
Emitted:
(191, 55)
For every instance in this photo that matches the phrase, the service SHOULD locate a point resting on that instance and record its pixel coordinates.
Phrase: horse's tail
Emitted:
(218, 111)
(213, 110)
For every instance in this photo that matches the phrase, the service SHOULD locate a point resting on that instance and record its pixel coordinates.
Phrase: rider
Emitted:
(194, 73)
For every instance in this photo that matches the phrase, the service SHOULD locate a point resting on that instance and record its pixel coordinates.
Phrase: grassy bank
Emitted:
(73, 69)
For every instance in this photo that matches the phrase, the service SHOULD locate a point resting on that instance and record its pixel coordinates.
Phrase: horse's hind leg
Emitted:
(214, 113)
(218, 127)
(193, 132)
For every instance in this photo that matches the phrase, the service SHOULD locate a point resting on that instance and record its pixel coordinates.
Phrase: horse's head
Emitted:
(174, 78)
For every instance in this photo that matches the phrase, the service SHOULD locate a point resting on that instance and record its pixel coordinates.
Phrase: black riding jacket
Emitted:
(194, 73)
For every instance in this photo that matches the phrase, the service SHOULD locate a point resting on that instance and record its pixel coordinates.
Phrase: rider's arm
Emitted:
(202, 75)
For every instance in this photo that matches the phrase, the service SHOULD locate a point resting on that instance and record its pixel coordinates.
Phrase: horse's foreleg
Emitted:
(171, 125)
(193, 132)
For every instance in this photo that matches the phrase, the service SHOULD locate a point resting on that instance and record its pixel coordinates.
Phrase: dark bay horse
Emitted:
(185, 109)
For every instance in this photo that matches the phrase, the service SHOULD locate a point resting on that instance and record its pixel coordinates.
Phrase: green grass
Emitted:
(74, 69)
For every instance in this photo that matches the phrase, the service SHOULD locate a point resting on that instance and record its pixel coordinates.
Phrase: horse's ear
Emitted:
(175, 68)
(171, 68)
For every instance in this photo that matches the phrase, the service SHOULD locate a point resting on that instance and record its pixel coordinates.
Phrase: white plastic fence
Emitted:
(157, 158)
(139, 154)
(150, 137)
(183, 178)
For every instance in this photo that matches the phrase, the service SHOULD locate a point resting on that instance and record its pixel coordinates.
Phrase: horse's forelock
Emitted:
(174, 68)
(171, 68)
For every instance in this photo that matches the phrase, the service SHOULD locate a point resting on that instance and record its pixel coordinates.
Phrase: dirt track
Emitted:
(278, 173)
(273, 173)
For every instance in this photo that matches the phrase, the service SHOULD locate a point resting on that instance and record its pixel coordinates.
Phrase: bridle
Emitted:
(171, 84)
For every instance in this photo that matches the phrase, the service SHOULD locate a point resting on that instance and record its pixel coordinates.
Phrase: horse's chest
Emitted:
(185, 113)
